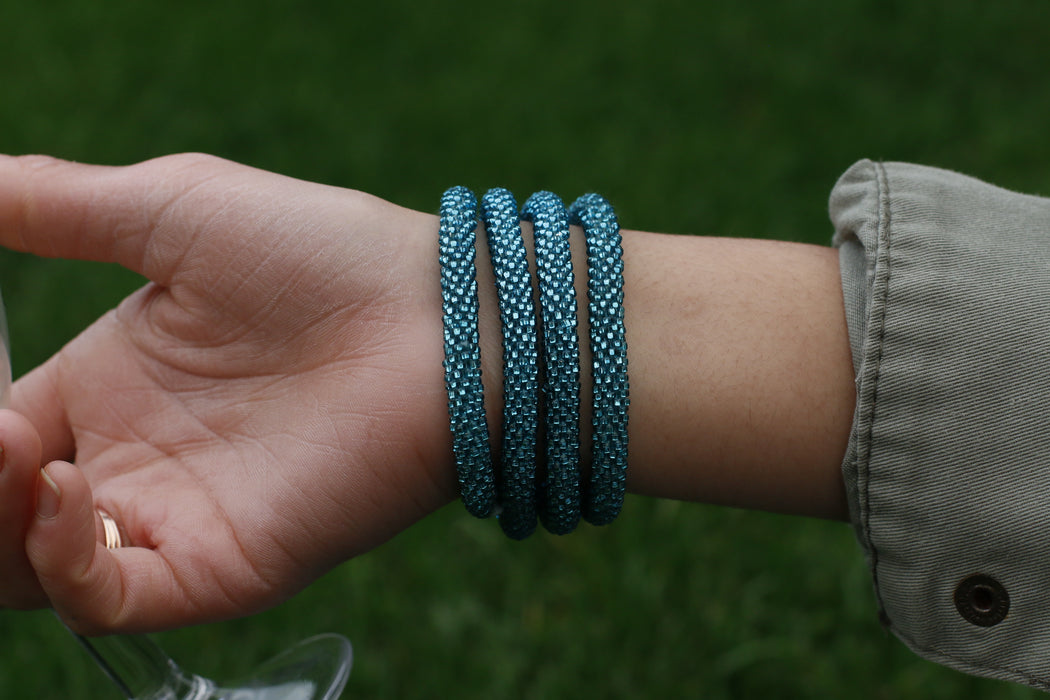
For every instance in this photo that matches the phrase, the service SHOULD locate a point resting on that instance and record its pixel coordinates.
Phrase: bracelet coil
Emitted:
(559, 495)
(517, 493)
(459, 301)
(605, 490)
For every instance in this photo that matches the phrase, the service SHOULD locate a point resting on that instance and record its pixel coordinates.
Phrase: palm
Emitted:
(209, 412)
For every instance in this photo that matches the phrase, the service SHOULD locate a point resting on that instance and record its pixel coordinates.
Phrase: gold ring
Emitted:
(113, 540)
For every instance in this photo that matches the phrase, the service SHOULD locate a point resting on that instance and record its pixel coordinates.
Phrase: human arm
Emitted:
(742, 382)
(272, 403)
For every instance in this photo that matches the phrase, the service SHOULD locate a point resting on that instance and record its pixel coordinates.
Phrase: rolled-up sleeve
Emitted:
(946, 281)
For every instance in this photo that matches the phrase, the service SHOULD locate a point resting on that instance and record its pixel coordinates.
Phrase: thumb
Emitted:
(131, 215)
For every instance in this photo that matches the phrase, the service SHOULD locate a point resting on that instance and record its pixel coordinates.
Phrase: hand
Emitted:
(270, 404)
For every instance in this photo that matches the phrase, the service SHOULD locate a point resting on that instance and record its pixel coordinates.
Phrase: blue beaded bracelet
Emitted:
(605, 491)
(559, 495)
(517, 492)
(459, 301)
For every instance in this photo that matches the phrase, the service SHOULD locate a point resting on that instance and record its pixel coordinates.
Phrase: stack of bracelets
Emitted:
(541, 361)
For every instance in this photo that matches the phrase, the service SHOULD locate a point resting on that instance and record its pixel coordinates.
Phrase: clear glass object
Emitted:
(314, 669)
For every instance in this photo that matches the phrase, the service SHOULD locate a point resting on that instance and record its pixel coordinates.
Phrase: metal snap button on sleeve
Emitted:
(982, 600)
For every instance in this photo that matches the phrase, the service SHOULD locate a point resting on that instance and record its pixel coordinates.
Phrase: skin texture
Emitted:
(272, 403)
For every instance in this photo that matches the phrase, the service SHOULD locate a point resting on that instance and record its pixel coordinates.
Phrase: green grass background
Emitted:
(711, 118)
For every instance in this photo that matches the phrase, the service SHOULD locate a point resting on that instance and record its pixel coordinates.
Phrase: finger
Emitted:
(62, 543)
(93, 589)
(36, 396)
(133, 215)
(19, 464)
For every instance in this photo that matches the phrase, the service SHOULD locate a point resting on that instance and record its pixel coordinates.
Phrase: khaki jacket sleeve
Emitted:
(947, 288)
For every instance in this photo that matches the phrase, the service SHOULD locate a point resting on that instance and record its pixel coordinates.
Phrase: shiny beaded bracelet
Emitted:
(605, 490)
(517, 487)
(515, 493)
(459, 301)
(559, 496)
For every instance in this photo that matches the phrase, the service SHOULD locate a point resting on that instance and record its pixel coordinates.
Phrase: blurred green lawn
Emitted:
(702, 118)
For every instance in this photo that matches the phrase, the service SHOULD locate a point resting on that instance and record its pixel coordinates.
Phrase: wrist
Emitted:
(483, 329)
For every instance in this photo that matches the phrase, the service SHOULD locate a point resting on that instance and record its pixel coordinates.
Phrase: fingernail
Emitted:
(48, 496)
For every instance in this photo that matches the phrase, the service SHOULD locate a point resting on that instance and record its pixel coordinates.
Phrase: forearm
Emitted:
(741, 377)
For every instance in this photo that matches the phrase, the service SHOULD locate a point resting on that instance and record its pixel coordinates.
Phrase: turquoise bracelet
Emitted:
(517, 488)
(559, 496)
(535, 369)
(466, 402)
(605, 491)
